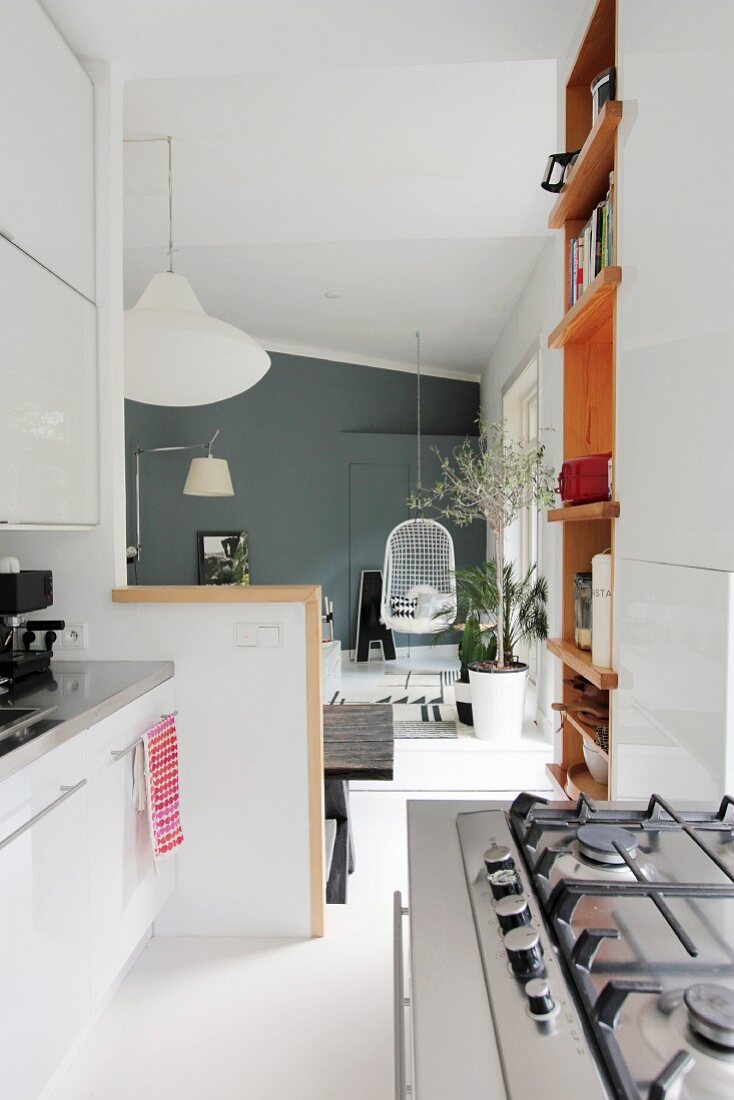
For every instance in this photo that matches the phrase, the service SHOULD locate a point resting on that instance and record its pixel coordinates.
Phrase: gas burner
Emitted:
(711, 1013)
(597, 843)
(667, 1025)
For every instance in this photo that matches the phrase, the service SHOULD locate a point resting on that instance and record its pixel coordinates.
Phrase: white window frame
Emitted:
(520, 407)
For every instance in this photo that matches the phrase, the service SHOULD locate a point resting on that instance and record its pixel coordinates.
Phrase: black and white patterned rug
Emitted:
(423, 703)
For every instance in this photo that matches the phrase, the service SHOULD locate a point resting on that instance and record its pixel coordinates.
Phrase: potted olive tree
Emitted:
(494, 478)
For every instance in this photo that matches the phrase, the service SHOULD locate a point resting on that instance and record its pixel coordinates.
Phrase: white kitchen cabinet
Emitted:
(44, 906)
(48, 410)
(127, 890)
(675, 325)
(674, 654)
(46, 145)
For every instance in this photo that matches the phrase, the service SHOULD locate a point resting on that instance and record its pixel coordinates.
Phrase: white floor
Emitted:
(243, 1019)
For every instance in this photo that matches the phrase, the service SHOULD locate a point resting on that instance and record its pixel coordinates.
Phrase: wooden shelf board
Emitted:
(579, 780)
(585, 731)
(588, 179)
(589, 320)
(580, 661)
(557, 776)
(577, 513)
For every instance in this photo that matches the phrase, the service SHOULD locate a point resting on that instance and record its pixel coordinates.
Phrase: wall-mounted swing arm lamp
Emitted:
(207, 477)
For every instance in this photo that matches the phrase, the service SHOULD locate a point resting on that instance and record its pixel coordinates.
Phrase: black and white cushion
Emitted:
(403, 607)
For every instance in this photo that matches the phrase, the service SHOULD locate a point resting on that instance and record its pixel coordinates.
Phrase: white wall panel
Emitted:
(675, 345)
(673, 716)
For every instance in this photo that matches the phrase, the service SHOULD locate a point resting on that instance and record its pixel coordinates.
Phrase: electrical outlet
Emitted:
(73, 637)
(38, 644)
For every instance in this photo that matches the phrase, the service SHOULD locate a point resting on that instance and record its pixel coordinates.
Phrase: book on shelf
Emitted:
(593, 249)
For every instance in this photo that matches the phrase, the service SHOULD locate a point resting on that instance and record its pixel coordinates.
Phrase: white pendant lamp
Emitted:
(175, 353)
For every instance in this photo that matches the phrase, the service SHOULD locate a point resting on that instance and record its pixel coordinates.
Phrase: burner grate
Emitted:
(531, 818)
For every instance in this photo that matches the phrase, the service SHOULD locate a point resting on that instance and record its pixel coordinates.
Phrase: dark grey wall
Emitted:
(291, 442)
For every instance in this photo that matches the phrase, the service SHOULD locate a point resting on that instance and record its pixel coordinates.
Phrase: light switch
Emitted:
(269, 637)
(245, 634)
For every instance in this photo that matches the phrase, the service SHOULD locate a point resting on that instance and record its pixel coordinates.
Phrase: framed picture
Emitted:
(223, 557)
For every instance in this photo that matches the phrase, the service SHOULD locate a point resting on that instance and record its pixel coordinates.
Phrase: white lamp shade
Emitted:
(176, 354)
(208, 477)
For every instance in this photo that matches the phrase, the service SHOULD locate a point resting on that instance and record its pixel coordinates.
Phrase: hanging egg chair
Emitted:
(419, 578)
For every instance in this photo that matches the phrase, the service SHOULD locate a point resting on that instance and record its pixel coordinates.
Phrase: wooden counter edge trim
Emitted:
(310, 596)
(212, 593)
(315, 744)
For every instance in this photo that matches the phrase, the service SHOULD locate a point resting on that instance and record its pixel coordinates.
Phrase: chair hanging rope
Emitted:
(419, 583)
(418, 420)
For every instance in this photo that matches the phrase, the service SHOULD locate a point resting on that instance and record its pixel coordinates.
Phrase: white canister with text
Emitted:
(601, 610)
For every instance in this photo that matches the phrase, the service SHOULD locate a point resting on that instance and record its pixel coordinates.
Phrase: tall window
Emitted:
(520, 410)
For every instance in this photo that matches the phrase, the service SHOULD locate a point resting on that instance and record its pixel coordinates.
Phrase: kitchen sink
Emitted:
(16, 720)
(24, 734)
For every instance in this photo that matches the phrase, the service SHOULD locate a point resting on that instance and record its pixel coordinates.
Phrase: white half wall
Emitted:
(244, 867)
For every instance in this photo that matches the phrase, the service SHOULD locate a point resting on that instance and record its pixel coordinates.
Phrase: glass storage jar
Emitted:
(582, 610)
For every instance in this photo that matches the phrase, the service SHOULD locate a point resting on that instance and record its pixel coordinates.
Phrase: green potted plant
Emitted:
(494, 478)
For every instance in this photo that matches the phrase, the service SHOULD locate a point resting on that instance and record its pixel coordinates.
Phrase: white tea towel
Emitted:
(140, 791)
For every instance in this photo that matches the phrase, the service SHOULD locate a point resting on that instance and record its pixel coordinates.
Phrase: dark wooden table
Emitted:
(359, 743)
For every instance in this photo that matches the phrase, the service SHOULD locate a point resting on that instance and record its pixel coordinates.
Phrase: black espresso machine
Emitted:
(21, 593)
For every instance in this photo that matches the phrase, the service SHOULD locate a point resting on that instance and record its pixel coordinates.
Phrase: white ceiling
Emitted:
(388, 150)
(163, 38)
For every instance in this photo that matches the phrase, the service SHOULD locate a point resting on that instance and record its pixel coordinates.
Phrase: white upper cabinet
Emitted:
(46, 146)
(675, 322)
(48, 403)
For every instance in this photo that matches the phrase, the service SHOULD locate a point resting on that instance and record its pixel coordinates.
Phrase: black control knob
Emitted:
(512, 912)
(540, 1001)
(503, 883)
(498, 858)
(524, 951)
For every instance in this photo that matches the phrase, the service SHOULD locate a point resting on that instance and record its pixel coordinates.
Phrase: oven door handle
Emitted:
(401, 1002)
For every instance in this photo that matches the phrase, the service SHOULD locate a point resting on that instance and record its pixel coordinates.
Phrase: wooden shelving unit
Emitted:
(586, 334)
(586, 732)
(579, 780)
(587, 180)
(582, 513)
(557, 776)
(590, 319)
(579, 660)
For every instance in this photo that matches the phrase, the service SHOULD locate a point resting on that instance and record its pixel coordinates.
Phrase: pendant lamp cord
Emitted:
(169, 140)
(418, 420)
(170, 207)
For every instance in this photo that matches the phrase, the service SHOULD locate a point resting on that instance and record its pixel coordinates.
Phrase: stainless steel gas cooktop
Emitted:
(607, 938)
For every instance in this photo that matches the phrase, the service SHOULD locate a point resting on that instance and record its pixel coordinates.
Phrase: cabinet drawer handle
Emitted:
(400, 1003)
(118, 754)
(66, 792)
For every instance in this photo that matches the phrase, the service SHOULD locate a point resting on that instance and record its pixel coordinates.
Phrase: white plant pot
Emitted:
(462, 697)
(498, 701)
